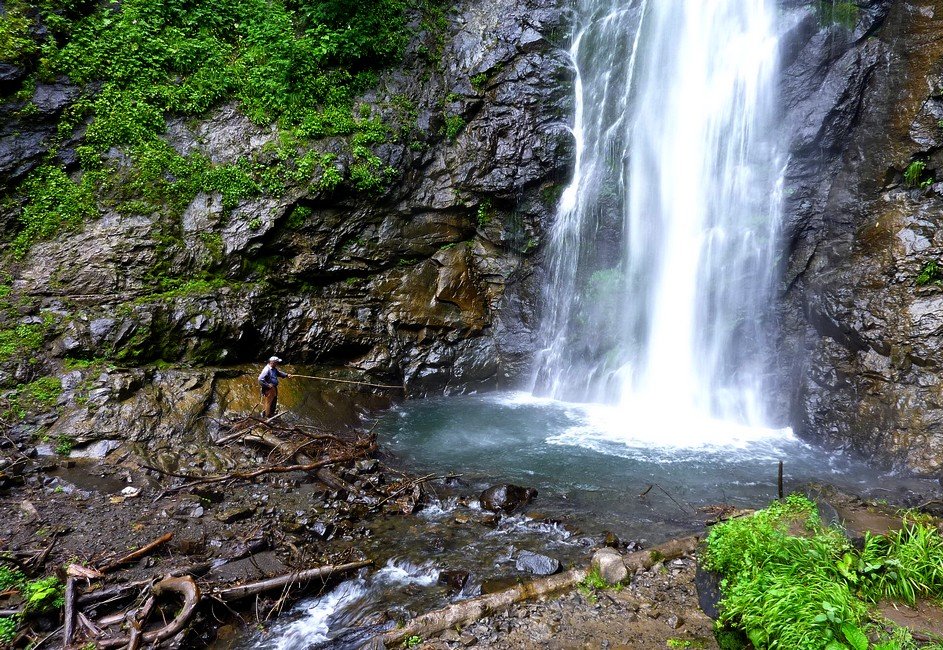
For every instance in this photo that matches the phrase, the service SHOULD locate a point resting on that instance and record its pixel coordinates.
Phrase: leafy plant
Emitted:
(594, 583)
(412, 641)
(15, 40)
(914, 172)
(485, 213)
(54, 203)
(21, 339)
(903, 565)
(789, 582)
(44, 594)
(10, 578)
(452, 126)
(930, 273)
(685, 643)
(8, 628)
(299, 65)
(64, 445)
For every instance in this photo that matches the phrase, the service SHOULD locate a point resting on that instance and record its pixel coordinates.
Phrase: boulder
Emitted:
(608, 563)
(453, 579)
(506, 498)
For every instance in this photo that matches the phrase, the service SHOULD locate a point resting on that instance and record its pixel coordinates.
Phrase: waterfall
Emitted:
(662, 255)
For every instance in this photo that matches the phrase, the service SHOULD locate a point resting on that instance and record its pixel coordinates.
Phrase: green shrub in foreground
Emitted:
(791, 583)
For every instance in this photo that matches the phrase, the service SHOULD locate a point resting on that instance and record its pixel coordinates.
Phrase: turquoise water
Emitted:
(591, 464)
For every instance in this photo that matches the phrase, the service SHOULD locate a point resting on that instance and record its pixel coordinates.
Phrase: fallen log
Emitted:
(252, 588)
(468, 611)
(670, 550)
(183, 586)
(141, 552)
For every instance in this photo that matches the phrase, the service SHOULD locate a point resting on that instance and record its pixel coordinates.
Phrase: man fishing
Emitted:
(268, 382)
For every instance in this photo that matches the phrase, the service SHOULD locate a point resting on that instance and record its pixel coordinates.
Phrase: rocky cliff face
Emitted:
(862, 317)
(433, 280)
(428, 281)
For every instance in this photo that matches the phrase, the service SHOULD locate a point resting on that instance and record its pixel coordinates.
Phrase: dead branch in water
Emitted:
(252, 588)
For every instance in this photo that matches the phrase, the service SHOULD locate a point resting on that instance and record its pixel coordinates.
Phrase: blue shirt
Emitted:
(269, 375)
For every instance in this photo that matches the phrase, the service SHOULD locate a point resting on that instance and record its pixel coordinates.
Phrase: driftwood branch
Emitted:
(467, 611)
(252, 588)
(68, 625)
(408, 486)
(141, 552)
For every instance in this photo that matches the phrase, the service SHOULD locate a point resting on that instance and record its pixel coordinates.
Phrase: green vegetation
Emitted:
(551, 194)
(478, 82)
(452, 126)
(915, 175)
(686, 643)
(35, 397)
(55, 203)
(64, 445)
(15, 41)
(412, 642)
(930, 273)
(10, 578)
(790, 582)
(297, 64)
(43, 595)
(8, 628)
(831, 12)
(592, 584)
(298, 217)
(20, 339)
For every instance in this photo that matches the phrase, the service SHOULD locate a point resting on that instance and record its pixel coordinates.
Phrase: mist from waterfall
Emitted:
(661, 259)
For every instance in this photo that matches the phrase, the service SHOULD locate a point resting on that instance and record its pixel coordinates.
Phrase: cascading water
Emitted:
(661, 274)
(662, 255)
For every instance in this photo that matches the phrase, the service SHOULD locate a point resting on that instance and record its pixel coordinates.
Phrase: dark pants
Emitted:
(269, 401)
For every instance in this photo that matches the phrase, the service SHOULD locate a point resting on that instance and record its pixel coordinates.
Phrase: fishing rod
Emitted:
(346, 381)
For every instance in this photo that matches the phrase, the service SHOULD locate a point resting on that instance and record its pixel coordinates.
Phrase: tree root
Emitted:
(187, 589)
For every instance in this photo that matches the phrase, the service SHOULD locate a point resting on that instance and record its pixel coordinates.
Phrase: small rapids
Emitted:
(449, 536)
(342, 617)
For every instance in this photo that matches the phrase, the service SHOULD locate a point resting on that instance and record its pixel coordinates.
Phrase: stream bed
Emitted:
(594, 477)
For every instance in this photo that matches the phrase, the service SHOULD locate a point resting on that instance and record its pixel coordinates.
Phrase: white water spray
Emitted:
(662, 255)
